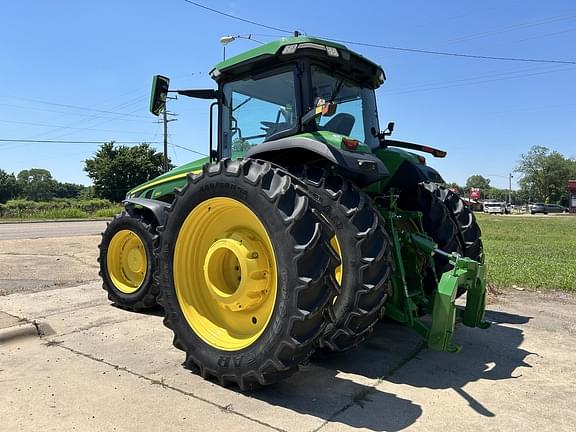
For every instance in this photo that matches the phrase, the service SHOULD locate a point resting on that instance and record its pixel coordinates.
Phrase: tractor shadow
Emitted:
(340, 387)
(154, 311)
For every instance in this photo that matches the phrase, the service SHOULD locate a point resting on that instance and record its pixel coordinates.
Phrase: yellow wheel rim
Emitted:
(338, 272)
(225, 274)
(127, 261)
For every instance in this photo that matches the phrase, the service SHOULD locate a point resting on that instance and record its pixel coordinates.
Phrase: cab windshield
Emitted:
(356, 114)
(258, 109)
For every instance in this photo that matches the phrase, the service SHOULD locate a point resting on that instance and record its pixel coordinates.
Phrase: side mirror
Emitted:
(159, 94)
(390, 128)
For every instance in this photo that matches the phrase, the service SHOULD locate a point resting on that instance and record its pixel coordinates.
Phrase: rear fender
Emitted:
(153, 211)
(362, 168)
(410, 174)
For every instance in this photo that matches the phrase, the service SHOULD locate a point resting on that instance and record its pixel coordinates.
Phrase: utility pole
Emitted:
(165, 121)
(510, 188)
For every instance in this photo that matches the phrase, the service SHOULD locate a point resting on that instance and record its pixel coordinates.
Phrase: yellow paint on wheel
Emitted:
(338, 272)
(225, 273)
(127, 261)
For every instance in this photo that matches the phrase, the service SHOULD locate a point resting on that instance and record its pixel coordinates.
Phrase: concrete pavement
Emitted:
(38, 264)
(97, 367)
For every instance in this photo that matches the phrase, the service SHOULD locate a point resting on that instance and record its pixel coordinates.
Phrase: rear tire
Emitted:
(364, 248)
(438, 223)
(468, 229)
(261, 207)
(127, 262)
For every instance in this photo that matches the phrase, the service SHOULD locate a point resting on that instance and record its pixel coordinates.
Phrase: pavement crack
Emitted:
(74, 309)
(101, 323)
(224, 408)
(363, 395)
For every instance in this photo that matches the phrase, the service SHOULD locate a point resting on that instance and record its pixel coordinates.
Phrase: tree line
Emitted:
(37, 184)
(543, 177)
(114, 170)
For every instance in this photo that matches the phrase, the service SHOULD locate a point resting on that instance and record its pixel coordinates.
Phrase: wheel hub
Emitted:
(127, 261)
(236, 271)
(135, 260)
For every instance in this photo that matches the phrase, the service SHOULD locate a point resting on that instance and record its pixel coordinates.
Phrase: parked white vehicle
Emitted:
(495, 207)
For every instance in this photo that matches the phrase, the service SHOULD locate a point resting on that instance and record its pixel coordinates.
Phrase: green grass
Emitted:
(21, 210)
(530, 251)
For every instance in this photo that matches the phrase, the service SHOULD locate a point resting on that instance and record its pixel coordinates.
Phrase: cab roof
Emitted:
(287, 49)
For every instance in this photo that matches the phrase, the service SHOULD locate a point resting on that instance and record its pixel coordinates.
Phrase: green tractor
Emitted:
(301, 229)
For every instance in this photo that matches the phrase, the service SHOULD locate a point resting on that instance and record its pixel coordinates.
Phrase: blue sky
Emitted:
(75, 70)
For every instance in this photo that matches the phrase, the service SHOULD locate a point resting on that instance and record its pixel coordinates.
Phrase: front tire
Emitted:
(127, 262)
(247, 273)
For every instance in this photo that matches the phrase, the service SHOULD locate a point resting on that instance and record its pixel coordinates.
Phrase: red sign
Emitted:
(475, 193)
(572, 185)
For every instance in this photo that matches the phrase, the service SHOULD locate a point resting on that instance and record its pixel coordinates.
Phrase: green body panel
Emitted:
(167, 182)
(393, 159)
(332, 139)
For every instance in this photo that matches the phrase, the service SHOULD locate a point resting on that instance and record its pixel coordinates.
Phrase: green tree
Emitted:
(477, 181)
(68, 190)
(496, 194)
(36, 184)
(545, 174)
(117, 169)
(8, 186)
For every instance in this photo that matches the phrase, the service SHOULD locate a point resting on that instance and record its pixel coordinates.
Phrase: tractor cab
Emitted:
(297, 86)
(295, 98)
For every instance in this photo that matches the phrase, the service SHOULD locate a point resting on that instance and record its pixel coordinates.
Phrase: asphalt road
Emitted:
(15, 231)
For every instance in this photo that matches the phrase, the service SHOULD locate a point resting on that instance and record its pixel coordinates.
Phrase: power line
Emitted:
(480, 79)
(74, 142)
(513, 27)
(77, 107)
(67, 113)
(68, 127)
(8, 140)
(390, 47)
(452, 54)
(190, 150)
(237, 18)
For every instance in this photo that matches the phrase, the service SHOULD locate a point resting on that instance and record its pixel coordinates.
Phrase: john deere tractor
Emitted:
(303, 226)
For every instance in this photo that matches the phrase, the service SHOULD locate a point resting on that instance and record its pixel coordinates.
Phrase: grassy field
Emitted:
(530, 251)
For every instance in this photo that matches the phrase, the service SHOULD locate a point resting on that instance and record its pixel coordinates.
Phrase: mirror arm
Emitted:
(199, 93)
(211, 132)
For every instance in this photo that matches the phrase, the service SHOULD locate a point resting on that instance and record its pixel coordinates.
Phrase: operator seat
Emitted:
(341, 123)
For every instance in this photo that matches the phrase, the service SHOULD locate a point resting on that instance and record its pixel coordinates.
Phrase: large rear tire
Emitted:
(468, 229)
(127, 262)
(247, 273)
(438, 223)
(364, 248)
